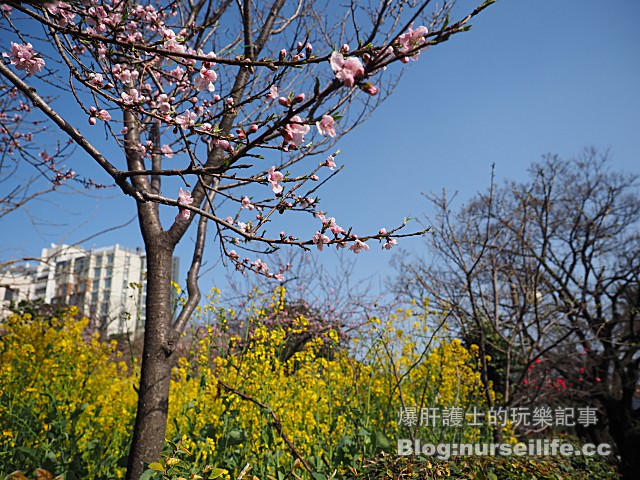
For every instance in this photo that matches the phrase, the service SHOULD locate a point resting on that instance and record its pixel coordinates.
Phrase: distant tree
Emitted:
(328, 300)
(216, 101)
(544, 276)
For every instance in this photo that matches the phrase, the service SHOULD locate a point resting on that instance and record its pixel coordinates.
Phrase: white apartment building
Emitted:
(107, 284)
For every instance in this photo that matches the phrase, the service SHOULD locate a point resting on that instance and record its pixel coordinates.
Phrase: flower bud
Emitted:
(370, 88)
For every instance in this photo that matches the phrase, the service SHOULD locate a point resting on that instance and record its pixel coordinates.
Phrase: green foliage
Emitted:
(66, 403)
(238, 407)
(385, 466)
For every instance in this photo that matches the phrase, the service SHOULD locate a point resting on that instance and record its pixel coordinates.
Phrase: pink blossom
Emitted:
(205, 80)
(370, 88)
(132, 97)
(177, 73)
(275, 178)
(412, 40)
(225, 145)
(335, 228)
(166, 151)
(96, 79)
(187, 119)
(348, 71)
(260, 266)
(320, 240)
(246, 203)
(184, 198)
(295, 131)
(124, 74)
(103, 115)
(24, 58)
(358, 246)
(63, 10)
(163, 103)
(326, 126)
(172, 45)
(390, 243)
(273, 93)
(330, 162)
(102, 51)
(306, 202)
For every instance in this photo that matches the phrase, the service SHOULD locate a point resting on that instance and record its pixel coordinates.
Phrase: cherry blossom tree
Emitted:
(235, 107)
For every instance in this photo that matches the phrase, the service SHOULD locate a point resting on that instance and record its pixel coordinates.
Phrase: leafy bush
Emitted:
(237, 403)
(385, 466)
(66, 404)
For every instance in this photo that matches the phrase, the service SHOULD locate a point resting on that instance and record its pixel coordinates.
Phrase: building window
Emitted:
(95, 285)
(110, 259)
(80, 266)
(107, 282)
(61, 267)
(9, 294)
(96, 272)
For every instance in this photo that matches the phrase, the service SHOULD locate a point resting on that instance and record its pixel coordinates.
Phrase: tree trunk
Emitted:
(624, 426)
(153, 396)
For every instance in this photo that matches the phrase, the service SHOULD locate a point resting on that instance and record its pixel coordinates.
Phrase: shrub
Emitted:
(66, 404)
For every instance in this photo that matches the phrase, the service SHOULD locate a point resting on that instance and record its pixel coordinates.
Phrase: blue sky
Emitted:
(531, 77)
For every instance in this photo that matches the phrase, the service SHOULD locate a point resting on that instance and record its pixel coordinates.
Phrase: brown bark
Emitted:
(157, 361)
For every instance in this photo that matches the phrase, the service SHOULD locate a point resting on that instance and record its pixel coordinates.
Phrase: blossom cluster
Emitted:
(24, 58)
